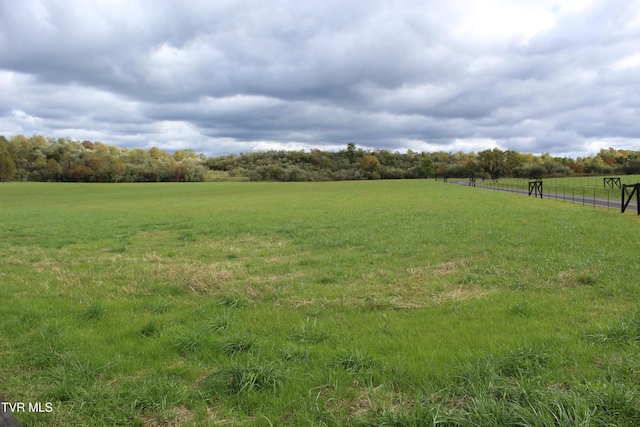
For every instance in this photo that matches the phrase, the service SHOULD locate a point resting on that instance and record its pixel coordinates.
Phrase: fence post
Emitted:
(635, 191)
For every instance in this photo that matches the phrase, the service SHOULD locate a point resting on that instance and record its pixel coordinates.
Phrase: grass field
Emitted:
(345, 303)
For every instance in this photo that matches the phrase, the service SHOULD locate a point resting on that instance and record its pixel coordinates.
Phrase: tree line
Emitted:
(65, 160)
(357, 163)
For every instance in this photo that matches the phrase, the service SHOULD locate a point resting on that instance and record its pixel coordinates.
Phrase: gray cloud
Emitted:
(232, 76)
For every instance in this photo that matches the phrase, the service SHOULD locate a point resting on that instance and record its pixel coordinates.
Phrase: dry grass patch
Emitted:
(461, 293)
(407, 295)
(438, 269)
(199, 278)
(219, 278)
(175, 417)
(573, 279)
(219, 420)
(367, 303)
(246, 243)
(47, 265)
(373, 401)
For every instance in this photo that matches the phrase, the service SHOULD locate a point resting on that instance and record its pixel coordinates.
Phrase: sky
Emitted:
(233, 76)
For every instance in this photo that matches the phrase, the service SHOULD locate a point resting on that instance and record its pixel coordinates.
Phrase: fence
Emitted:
(593, 194)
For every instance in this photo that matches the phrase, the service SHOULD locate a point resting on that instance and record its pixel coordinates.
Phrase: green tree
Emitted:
(512, 160)
(630, 167)
(351, 152)
(7, 167)
(491, 162)
(426, 166)
(180, 155)
(54, 169)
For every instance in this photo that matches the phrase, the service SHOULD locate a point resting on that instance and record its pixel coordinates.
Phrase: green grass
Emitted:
(359, 303)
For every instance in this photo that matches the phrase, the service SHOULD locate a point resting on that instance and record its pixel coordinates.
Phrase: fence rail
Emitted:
(595, 196)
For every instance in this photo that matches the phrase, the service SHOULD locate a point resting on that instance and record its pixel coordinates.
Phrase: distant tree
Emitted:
(194, 172)
(7, 167)
(179, 155)
(630, 167)
(529, 170)
(88, 145)
(594, 165)
(576, 167)
(155, 153)
(351, 152)
(512, 160)
(456, 170)
(81, 173)
(370, 163)
(554, 168)
(491, 162)
(54, 170)
(426, 166)
(180, 172)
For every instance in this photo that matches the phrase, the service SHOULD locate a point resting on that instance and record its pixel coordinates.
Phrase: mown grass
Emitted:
(362, 303)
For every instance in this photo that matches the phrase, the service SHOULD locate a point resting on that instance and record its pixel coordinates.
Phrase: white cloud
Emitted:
(232, 76)
(629, 61)
(503, 20)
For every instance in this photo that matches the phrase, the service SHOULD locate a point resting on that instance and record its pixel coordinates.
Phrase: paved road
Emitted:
(614, 203)
(8, 420)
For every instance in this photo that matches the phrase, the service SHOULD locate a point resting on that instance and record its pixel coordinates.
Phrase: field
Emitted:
(345, 303)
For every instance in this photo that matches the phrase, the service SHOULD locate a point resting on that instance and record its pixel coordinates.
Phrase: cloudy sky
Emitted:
(231, 76)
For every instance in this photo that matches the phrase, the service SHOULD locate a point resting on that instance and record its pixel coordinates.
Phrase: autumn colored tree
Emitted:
(370, 163)
(81, 173)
